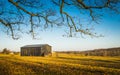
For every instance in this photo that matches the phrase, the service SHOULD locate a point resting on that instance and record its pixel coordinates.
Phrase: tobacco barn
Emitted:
(36, 50)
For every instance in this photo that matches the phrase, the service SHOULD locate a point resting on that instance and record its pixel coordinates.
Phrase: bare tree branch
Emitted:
(35, 14)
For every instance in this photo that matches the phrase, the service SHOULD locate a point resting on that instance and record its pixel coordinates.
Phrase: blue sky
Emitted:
(109, 26)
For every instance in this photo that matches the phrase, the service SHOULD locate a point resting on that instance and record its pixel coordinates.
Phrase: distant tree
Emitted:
(0, 50)
(15, 15)
(16, 53)
(6, 51)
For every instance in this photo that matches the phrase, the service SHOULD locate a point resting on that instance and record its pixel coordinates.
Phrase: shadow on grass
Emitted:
(93, 60)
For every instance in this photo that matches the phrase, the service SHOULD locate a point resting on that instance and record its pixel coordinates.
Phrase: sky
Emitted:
(109, 26)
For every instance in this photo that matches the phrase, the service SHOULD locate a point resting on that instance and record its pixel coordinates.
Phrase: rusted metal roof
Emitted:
(36, 45)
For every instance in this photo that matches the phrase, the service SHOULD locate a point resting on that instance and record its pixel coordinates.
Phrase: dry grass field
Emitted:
(59, 64)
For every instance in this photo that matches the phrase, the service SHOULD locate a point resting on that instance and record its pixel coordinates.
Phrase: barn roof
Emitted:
(36, 45)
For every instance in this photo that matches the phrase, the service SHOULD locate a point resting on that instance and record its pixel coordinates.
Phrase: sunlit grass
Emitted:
(59, 64)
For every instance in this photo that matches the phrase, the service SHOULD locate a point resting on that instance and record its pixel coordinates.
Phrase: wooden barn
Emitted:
(36, 50)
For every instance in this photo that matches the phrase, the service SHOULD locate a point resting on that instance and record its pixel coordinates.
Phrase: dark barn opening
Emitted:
(36, 50)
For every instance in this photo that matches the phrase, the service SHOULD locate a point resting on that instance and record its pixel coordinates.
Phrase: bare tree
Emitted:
(16, 15)
(6, 51)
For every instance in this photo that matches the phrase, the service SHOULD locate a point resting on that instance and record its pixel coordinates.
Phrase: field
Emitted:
(59, 64)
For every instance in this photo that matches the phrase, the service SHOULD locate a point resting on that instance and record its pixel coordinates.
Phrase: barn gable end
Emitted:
(36, 50)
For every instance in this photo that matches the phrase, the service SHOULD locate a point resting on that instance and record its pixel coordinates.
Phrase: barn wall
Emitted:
(47, 49)
(35, 51)
(23, 51)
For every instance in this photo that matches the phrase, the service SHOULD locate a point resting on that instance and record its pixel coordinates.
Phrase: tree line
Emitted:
(7, 51)
(96, 52)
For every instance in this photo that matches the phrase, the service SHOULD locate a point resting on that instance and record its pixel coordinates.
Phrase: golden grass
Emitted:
(59, 64)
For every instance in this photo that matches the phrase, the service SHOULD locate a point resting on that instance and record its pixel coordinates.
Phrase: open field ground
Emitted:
(59, 64)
